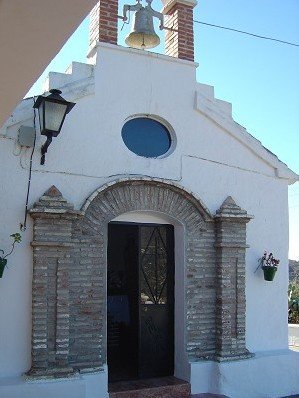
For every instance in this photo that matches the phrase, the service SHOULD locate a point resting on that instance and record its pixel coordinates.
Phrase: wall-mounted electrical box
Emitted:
(26, 136)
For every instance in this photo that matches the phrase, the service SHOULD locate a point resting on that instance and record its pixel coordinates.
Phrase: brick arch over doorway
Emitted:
(133, 195)
(69, 277)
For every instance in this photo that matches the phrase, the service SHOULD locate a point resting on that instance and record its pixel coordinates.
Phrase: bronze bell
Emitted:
(143, 35)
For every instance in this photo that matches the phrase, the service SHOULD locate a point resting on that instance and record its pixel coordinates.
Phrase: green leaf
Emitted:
(17, 237)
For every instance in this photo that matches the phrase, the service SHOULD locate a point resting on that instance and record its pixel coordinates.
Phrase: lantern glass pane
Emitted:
(54, 114)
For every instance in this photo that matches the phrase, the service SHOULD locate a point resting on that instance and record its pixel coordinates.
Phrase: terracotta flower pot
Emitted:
(269, 273)
(3, 263)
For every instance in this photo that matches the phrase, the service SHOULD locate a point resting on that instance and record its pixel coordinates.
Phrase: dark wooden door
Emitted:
(140, 302)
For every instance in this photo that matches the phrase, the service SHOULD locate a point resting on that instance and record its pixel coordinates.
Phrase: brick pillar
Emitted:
(103, 23)
(231, 247)
(52, 246)
(179, 43)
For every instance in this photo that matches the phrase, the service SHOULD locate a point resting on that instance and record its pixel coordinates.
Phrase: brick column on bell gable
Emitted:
(103, 23)
(179, 42)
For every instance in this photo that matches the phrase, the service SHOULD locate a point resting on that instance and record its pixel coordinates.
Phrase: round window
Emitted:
(146, 137)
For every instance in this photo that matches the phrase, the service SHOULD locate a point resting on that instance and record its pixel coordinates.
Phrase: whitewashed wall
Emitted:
(213, 157)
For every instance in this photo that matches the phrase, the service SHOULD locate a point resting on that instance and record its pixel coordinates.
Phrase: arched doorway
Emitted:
(191, 221)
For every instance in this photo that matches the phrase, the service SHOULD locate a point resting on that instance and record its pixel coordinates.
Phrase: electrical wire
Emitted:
(247, 33)
(24, 225)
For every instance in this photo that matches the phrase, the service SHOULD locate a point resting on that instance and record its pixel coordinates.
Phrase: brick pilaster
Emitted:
(179, 42)
(62, 338)
(103, 23)
(230, 275)
(52, 245)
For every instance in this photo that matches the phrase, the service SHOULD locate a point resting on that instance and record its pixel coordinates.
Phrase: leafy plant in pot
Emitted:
(3, 259)
(269, 265)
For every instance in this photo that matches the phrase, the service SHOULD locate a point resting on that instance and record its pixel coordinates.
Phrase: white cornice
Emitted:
(208, 107)
(167, 5)
(141, 53)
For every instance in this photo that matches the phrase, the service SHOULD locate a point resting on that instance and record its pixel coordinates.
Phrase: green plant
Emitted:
(293, 296)
(269, 260)
(269, 265)
(3, 259)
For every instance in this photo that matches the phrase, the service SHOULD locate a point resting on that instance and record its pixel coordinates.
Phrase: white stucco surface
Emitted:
(214, 157)
(270, 374)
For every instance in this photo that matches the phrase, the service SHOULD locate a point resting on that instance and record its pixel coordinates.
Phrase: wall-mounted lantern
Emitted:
(52, 111)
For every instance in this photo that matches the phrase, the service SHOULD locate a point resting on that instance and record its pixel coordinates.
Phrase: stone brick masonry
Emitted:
(179, 42)
(69, 274)
(103, 23)
(230, 275)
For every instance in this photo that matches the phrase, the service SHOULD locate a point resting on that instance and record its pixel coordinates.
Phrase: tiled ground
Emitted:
(165, 387)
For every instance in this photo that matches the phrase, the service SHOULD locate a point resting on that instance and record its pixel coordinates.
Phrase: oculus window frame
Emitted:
(141, 131)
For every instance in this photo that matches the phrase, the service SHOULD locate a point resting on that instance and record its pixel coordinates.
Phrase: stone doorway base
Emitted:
(164, 387)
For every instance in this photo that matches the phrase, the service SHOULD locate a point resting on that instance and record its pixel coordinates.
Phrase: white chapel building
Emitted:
(137, 272)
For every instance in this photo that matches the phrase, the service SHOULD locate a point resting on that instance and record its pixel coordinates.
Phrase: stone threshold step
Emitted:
(164, 387)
